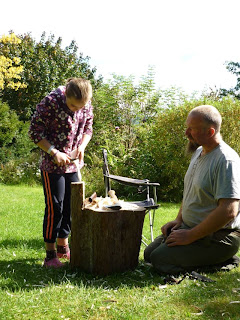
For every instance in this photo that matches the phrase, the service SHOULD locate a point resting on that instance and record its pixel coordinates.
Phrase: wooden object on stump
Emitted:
(104, 241)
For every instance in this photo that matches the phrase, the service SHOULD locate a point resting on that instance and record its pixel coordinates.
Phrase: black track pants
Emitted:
(57, 192)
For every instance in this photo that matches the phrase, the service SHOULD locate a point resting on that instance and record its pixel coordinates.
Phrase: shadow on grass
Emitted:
(210, 299)
(21, 270)
(35, 244)
(28, 273)
(216, 300)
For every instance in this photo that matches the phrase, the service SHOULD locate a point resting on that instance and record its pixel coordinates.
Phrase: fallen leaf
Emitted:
(162, 286)
(9, 294)
(199, 313)
(69, 286)
(104, 308)
(225, 313)
(109, 300)
(73, 275)
(141, 274)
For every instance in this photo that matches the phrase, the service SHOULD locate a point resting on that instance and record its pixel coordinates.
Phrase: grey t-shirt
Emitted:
(209, 178)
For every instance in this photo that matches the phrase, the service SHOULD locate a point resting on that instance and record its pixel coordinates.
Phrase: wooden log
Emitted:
(103, 242)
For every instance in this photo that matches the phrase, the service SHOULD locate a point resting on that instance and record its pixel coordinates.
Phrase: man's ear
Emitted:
(211, 132)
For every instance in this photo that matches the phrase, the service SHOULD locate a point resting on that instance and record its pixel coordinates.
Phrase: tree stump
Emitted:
(104, 242)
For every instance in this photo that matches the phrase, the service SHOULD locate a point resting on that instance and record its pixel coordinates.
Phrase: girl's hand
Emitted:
(80, 154)
(61, 159)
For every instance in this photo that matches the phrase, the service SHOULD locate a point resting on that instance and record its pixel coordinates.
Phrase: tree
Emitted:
(234, 68)
(9, 129)
(46, 66)
(10, 68)
(120, 106)
(124, 113)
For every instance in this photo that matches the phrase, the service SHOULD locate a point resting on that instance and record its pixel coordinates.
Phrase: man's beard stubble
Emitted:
(191, 147)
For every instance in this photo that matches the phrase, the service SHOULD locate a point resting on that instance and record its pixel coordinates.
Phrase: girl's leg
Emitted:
(65, 228)
(54, 190)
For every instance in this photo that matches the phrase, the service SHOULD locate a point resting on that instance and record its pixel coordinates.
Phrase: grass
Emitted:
(28, 291)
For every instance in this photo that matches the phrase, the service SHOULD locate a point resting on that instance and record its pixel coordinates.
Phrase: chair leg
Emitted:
(153, 217)
(107, 185)
(143, 240)
(151, 224)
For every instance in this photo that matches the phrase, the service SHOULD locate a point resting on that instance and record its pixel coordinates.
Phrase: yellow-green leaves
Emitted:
(10, 68)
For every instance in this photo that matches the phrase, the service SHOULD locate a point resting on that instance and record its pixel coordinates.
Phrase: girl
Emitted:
(62, 127)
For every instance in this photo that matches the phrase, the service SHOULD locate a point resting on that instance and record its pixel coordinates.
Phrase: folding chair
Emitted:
(150, 204)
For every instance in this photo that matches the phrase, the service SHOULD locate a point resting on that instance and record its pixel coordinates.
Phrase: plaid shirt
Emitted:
(62, 127)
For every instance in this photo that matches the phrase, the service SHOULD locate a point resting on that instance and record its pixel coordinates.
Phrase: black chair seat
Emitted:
(146, 204)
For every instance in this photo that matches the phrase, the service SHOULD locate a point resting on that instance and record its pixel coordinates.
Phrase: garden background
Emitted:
(142, 127)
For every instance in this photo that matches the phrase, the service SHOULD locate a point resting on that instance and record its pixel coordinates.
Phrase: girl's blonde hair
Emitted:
(79, 89)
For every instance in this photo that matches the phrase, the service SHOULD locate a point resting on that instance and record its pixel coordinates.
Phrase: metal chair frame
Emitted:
(150, 204)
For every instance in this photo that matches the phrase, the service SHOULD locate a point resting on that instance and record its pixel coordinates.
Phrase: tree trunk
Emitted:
(103, 242)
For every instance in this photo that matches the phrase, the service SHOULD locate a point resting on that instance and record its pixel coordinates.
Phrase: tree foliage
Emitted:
(14, 141)
(10, 68)
(124, 112)
(142, 127)
(121, 106)
(46, 66)
(234, 68)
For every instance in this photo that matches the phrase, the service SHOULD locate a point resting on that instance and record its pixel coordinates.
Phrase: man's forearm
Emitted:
(179, 215)
(223, 214)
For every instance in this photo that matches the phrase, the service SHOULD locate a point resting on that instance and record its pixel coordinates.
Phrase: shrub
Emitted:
(168, 144)
(17, 171)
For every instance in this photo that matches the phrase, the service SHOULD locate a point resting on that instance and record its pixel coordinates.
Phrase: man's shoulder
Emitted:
(228, 152)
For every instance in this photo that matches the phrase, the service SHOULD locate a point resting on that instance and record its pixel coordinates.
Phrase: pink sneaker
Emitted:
(53, 263)
(64, 255)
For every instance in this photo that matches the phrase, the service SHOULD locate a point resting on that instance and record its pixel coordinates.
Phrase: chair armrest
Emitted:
(130, 181)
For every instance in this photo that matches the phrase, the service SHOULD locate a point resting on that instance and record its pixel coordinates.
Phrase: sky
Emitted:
(187, 42)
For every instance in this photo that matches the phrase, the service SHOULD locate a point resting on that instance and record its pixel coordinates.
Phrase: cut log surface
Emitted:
(104, 241)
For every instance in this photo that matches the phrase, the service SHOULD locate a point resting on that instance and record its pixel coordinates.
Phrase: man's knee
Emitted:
(163, 265)
(151, 247)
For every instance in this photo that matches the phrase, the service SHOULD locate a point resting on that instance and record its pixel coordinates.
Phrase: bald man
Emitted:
(206, 230)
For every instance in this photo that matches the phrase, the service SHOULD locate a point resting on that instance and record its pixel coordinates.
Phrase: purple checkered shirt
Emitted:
(62, 127)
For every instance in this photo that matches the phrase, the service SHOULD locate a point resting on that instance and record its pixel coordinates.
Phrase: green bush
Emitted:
(9, 127)
(157, 151)
(92, 174)
(14, 140)
(168, 143)
(21, 171)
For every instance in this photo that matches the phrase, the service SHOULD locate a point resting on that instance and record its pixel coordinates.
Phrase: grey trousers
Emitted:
(210, 250)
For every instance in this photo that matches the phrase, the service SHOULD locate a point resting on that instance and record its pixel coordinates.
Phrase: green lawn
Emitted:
(28, 291)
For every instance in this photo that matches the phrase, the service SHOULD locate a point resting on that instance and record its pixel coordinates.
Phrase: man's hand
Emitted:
(179, 237)
(170, 226)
